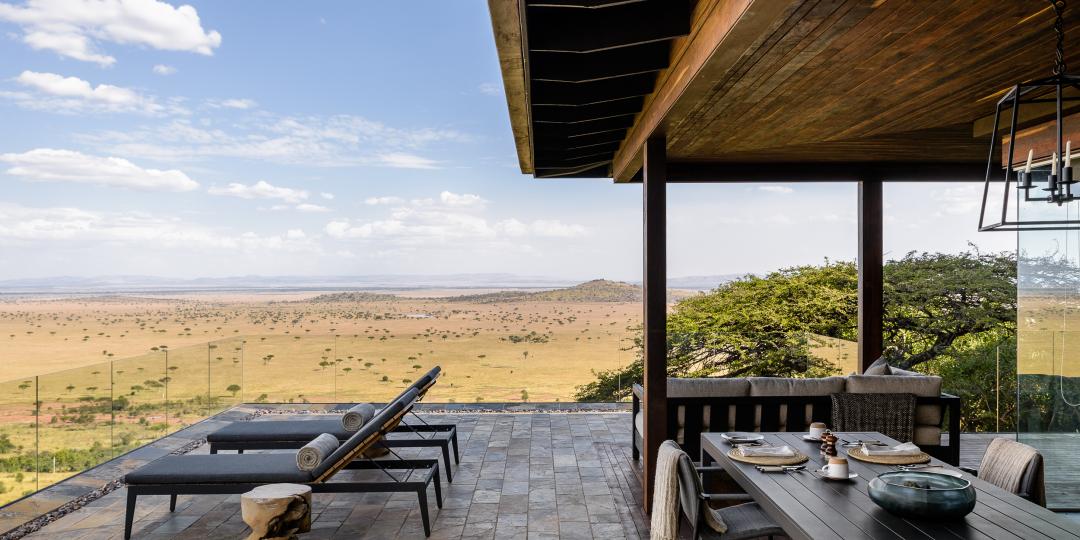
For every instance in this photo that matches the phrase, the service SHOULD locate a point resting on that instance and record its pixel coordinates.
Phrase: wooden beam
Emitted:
(729, 28)
(575, 30)
(871, 279)
(654, 215)
(611, 63)
(506, 25)
(843, 171)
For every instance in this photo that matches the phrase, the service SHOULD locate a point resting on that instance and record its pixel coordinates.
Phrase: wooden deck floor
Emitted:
(529, 476)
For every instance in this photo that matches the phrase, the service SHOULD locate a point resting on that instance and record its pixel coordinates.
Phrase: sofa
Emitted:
(695, 406)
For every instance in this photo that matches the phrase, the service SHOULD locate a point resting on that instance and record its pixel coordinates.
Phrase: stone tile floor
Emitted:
(546, 475)
(522, 475)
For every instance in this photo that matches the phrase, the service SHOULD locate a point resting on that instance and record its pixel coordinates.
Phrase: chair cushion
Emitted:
(926, 435)
(783, 386)
(221, 469)
(707, 387)
(922, 385)
(279, 431)
(743, 521)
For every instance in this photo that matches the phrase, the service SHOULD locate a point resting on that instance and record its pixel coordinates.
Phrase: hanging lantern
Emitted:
(1046, 175)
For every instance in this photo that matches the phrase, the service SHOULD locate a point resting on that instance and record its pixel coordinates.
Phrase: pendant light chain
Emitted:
(1059, 29)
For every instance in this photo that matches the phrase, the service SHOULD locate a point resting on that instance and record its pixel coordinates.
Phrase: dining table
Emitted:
(807, 506)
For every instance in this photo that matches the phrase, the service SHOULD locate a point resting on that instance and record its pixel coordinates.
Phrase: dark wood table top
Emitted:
(808, 507)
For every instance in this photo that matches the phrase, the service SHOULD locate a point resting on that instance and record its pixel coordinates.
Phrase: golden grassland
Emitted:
(173, 360)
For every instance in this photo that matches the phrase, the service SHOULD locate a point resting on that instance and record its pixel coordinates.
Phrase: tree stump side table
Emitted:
(277, 511)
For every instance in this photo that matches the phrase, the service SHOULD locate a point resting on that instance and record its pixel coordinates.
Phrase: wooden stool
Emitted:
(277, 511)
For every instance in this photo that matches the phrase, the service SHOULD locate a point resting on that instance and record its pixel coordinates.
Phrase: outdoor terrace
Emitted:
(526, 471)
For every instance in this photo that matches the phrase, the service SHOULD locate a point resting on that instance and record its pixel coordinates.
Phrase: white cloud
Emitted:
(332, 141)
(783, 190)
(308, 207)
(545, 228)
(260, 190)
(406, 161)
(235, 103)
(162, 69)
(57, 93)
(133, 230)
(51, 165)
(327, 196)
(464, 200)
(75, 28)
(490, 88)
(437, 222)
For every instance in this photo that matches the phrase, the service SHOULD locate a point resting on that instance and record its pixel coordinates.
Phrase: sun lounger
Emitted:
(289, 434)
(239, 473)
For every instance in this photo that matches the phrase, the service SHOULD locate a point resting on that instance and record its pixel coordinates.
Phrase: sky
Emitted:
(141, 137)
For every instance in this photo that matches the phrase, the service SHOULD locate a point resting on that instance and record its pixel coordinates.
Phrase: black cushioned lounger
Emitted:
(288, 434)
(238, 473)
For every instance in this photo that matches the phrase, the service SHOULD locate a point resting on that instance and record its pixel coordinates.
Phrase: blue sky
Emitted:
(244, 137)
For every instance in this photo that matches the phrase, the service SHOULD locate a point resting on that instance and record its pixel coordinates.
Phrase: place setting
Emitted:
(753, 449)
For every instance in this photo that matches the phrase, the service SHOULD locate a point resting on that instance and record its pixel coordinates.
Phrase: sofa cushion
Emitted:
(879, 367)
(707, 387)
(782, 386)
(923, 385)
(927, 435)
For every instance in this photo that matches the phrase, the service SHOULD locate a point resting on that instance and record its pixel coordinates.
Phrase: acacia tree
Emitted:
(765, 326)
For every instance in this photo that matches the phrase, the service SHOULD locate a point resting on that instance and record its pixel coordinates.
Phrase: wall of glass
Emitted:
(1048, 349)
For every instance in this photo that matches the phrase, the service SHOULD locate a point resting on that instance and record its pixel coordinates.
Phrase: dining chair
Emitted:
(744, 521)
(1014, 467)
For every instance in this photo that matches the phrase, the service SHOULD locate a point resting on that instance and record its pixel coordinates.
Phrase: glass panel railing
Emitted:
(188, 385)
(138, 400)
(288, 369)
(226, 384)
(18, 439)
(75, 421)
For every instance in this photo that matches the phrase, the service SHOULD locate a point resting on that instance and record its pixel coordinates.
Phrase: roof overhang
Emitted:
(762, 81)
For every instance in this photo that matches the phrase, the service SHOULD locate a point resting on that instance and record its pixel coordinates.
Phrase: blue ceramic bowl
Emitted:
(923, 495)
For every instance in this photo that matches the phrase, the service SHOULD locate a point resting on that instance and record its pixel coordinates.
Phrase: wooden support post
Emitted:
(871, 280)
(654, 215)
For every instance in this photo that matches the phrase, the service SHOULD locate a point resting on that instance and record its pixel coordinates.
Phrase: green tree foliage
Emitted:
(943, 314)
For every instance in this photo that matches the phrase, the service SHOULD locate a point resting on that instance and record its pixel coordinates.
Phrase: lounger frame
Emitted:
(351, 460)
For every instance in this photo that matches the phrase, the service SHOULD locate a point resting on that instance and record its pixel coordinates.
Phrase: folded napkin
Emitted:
(311, 454)
(769, 451)
(357, 416)
(906, 449)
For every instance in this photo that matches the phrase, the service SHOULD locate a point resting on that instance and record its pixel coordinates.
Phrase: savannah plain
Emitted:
(113, 372)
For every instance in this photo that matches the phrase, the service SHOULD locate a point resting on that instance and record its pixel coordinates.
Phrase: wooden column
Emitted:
(871, 281)
(654, 215)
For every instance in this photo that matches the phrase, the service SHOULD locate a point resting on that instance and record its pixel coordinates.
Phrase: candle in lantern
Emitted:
(1054, 164)
(1031, 153)
(1068, 153)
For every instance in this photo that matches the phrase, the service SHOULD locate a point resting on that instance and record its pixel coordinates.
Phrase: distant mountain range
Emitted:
(149, 284)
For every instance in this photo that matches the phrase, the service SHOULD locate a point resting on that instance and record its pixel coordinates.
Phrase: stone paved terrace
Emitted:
(529, 475)
(535, 475)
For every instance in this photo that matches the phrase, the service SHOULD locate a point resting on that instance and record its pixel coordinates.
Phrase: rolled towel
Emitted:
(905, 449)
(763, 451)
(311, 454)
(357, 416)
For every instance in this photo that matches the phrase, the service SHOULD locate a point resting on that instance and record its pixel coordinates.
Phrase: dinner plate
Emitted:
(741, 437)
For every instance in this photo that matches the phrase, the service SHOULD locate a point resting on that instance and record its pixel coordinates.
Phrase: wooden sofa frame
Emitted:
(746, 408)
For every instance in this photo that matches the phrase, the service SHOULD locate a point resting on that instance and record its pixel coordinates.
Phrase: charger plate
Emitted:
(798, 458)
(857, 453)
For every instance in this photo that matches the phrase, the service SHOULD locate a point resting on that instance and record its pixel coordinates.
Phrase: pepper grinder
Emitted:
(825, 441)
(830, 445)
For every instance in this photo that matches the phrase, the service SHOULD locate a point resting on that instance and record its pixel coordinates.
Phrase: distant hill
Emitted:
(352, 297)
(597, 290)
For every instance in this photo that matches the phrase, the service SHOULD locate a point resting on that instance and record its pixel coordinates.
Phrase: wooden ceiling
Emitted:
(766, 81)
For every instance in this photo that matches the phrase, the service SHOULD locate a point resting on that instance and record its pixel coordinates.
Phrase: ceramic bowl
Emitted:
(923, 495)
